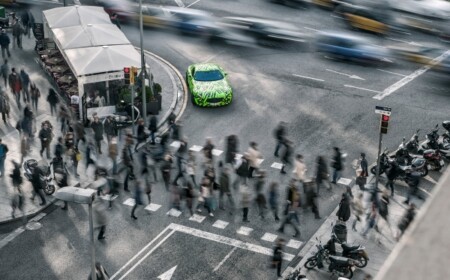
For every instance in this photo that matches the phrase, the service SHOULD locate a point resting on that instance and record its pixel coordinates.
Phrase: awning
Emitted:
(75, 15)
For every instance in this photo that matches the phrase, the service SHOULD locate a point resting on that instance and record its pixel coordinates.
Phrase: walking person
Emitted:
(208, 152)
(16, 176)
(344, 210)
(153, 128)
(45, 135)
(112, 153)
(166, 169)
(110, 128)
(337, 165)
(16, 85)
(406, 219)
(224, 186)
(181, 161)
(277, 258)
(293, 203)
(413, 180)
(190, 195)
(4, 105)
(127, 159)
(321, 174)
(17, 32)
(141, 136)
(24, 147)
(25, 80)
(391, 174)
(254, 158)
(357, 209)
(37, 186)
(311, 197)
(286, 157)
(97, 127)
(273, 199)
(35, 94)
(100, 218)
(3, 152)
(280, 136)
(245, 201)
(191, 167)
(261, 201)
(4, 69)
(242, 167)
(137, 196)
(371, 219)
(52, 99)
(231, 149)
(205, 196)
(383, 208)
(17, 202)
(4, 44)
(300, 168)
(362, 172)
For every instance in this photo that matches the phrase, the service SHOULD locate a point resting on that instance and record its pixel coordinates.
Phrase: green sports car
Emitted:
(208, 85)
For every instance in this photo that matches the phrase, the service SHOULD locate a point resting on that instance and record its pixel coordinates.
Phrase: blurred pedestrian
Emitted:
(36, 182)
(362, 172)
(344, 210)
(383, 208)
(17, 32)
(100, 218)
(371, 220)
(391, 174)
(166, 168)
(293, 203)
(138, 187)
(153, 128)
(277, 258)
(115, 20)
(273, 199)
(4, 69)
(311, 197)
(97, 127)
(110, 127)
(181, 160)
(35, 94)
(357, 209)
(190, 195)
(261, 201)
(224, 184)
(3, 152)
(286, 157)
(16, 85)
(4, 44)
(254, 158)
(245, 201)
(100, 273)
(205, 196)
(231, 149)
(52, 99)
(80, 134)
(280, 136)
(59, 147)
(25, 18)
(242, 167)
(24, 146)
(413, 180)
(208, 152)
(191, 167)
(4, 105)
(127, 159)
(322, 174)
(46, 136)
(337, 165)
(25, 80)
(406, 219)
(300, 168)
(141, 136)
(16, 176)
(17, 202)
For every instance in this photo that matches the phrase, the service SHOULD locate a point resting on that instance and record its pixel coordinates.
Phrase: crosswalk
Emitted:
(218, 224)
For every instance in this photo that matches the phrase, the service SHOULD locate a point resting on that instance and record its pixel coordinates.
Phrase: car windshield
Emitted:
(205, 76)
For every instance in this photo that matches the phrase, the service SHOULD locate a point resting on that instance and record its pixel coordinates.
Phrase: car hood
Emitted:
(211, 89)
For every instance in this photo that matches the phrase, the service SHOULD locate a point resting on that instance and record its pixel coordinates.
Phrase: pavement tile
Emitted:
(129, 202)
(269, 237)
(152, 207)
(220, 224)
(197, 218)
(244, 230)
(174, 213)
(294, 244)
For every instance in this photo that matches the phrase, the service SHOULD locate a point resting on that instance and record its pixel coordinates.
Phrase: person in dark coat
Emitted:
(110, 128)
(37, 186)
(127, 159)
(242, 172)
(344, 211)
(59, 147)
(166, 168)
(273, 199)
(45, 135)
(4, 43)
(52, 99)
(280, 136)
(311, 197)
(286, 158)
(97, 127)
(364, 166)
(321, 173)
(337, 165)
(5, 72)
(231, 149)
(16, 85)
(407, 218)
(153, 128)
(25, 80)
(17, 32)
(141, 135)
(16, 176)
(391, 173)
(35, 95)
(277, 258)
(224, 185)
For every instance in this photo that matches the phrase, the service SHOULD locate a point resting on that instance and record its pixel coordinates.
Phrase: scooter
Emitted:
(357, 252)
(434, 143)
(433, 157)
(446, 135)
(341, 266)
(44, 174)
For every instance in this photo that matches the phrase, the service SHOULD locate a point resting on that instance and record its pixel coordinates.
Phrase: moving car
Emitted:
(349, 47)
(417, 54)
(367, 19)
(208, 85)
(443, 67)
(439, 9)
(188, 20)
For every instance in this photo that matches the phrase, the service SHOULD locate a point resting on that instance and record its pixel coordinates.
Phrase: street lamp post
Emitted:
(143, 70)
(82, 196)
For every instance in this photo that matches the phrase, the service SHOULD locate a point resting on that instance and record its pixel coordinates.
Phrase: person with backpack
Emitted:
(242, 170)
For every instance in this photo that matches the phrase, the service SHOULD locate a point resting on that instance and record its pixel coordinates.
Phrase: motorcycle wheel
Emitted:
(373, 170)
(348, 274)
(424, 171)
(361, 262)
(311, 263)
(49, 189)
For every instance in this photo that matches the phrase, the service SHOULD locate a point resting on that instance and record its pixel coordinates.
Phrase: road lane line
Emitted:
(305, 77)
(140, 252)
(388, 91)
(393, 73)
(192, 4)
(228, 241)
(146, 255)
(224, 259)
(366, 89)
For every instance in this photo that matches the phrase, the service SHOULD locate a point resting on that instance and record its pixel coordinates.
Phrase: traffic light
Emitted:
(126, 74)
(384, 124)
(133, 75)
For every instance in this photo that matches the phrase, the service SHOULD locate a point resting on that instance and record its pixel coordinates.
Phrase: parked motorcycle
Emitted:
(357, 252)
(44, 174)
(415, 150)
(433, 142)
(341, 266)
(413, 145)
(385, 163)
(446, 135)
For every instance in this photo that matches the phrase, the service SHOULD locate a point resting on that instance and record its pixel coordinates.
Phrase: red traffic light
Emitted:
(385, 118)
(126, 70)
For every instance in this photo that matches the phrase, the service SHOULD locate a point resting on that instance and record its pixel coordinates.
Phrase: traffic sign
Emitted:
(383, 110)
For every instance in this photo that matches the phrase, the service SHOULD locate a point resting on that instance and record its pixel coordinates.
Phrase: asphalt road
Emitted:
(322, 108)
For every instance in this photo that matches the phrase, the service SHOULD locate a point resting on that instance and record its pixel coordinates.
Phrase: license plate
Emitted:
(441, 162)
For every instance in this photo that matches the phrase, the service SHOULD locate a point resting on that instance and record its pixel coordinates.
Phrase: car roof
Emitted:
(206, 67)
(264, 21)
(185, 11)
(343, 35)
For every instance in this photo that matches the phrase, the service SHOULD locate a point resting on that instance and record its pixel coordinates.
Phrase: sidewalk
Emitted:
(174, 100)
(377, 245)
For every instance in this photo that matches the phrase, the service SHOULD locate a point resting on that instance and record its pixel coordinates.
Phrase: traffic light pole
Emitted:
(132, 108)
(143, 70)
(378, 161)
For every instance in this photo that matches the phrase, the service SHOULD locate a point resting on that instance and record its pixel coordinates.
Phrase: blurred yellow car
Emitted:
(366, 19)
(152, 16)
(417, 54)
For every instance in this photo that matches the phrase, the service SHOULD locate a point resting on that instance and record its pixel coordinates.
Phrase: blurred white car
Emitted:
(429, 8)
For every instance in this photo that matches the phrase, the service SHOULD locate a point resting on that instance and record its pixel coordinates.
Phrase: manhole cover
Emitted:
(33, 226)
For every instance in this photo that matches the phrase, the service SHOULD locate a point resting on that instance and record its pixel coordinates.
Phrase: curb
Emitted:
(31, 215)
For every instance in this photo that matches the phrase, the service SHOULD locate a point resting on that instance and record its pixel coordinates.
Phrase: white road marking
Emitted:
(152, 207)
(196, 148)
(168, 274)
(192, 4)
(197, 218)
(216, 152)
(344, 74)
(174, 213)
(146, 255)
(224, 259)
(305, 77)
(220, 224)
(294, 244)
(244, 230)
(228, 241)
(277, 165)
(179, 3)
(393, 73)
(175, 144)
(344, 181)
(38, 217)
(129, 202)
(366, 89)
(388, 91)
(309, 28)
(269, 237)
(140, 252)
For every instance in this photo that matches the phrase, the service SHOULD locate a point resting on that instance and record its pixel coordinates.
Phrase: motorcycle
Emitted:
(433, 157)
(295, 275)
(433, 142)
(413, 145)
(446, 135)
(385, 163)
(341, 266)
(357, 253)
(44, 174)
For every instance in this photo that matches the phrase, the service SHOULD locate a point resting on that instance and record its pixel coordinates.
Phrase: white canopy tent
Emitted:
(90, 35)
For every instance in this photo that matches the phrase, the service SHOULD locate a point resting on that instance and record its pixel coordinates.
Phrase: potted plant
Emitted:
(157, 93)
